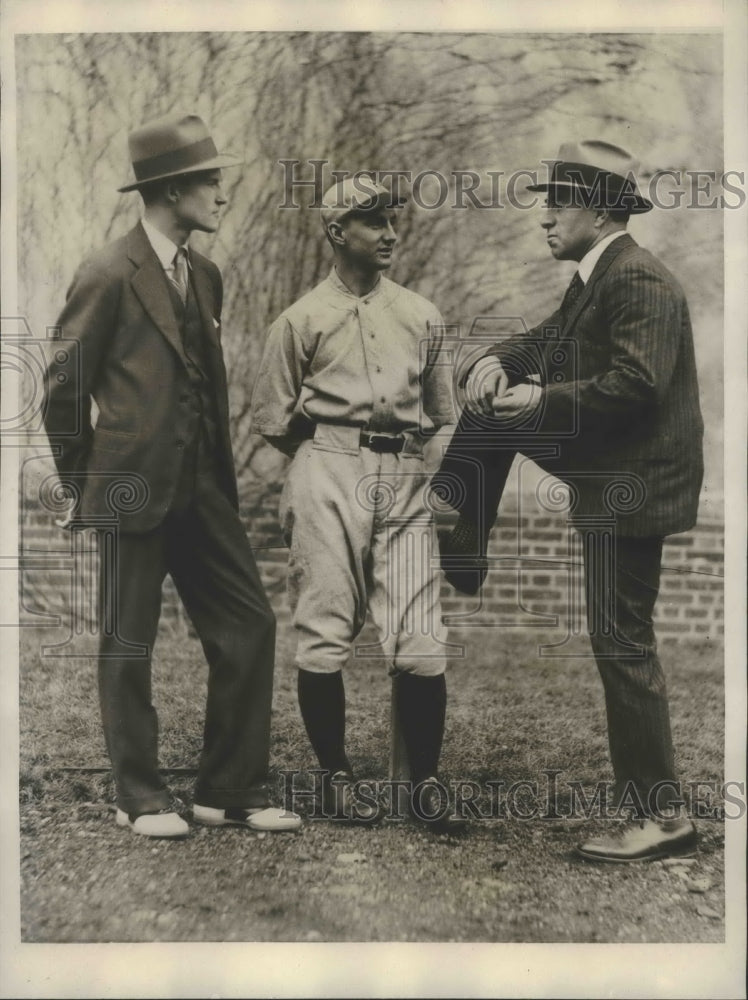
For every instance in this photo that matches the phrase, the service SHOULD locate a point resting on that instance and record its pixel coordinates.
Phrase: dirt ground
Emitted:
(505, 880)
(86, 880)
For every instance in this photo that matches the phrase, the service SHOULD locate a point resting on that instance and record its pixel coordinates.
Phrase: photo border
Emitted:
(421, 970)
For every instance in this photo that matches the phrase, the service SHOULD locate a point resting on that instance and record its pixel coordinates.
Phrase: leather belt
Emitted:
(382, 443)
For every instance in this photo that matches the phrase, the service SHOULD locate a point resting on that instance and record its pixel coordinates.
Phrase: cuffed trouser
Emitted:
(205, 550)
(360, 535)
(623, 641)
(620, 602)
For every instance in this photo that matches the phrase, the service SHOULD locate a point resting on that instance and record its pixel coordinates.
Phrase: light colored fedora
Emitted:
(600, 175)
(167, 147)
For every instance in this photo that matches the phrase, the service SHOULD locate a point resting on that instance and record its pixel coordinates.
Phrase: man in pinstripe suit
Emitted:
(602, 394)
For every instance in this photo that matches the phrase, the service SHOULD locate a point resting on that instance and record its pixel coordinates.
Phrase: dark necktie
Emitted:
(575, 289)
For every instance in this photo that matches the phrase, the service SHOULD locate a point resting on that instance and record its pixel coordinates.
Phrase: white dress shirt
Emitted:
(587, 263)
(164, 248)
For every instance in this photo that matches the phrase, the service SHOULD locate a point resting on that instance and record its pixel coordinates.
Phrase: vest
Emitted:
(200, 450)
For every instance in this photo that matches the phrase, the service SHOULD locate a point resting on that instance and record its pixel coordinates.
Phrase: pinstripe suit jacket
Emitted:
(620, 394)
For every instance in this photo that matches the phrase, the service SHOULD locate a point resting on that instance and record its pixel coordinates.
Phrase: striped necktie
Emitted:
(180, 274)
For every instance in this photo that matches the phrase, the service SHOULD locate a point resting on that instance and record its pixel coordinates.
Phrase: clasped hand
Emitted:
(488, 393)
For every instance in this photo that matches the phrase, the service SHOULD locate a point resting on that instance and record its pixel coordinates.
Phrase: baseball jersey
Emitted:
(374, 361)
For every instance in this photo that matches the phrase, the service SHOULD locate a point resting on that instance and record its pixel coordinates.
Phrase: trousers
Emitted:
(621, 590)
(203, 546)
(360, 536)
(620, 608)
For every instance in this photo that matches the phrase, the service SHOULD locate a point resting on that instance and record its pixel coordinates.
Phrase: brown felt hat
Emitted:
(177, 144)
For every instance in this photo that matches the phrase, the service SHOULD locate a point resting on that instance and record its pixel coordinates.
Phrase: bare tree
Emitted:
(377, 101)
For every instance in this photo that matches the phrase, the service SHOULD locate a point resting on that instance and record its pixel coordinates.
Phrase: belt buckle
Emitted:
(385, 443)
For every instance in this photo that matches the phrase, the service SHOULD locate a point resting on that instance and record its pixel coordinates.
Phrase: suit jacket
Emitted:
(127, 355)
(620, 394)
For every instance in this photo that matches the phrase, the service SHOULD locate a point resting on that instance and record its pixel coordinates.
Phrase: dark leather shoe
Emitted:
(463, 558)
(340, 801)
(642, 840)
(431, 806)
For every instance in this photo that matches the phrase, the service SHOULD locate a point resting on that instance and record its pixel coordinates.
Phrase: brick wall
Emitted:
(534, 581)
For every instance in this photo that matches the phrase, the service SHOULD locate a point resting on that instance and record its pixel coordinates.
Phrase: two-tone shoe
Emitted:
(162, 823)
(642, 840)
(261, 819)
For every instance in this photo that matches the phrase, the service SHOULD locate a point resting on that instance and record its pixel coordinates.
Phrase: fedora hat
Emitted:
(167, 147)
(600, 175)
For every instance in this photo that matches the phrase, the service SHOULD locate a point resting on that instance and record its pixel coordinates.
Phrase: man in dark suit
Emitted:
(603, 395)
(144, 313)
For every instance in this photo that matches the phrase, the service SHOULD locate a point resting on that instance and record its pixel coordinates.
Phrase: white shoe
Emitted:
(268, 820)
(158, 824)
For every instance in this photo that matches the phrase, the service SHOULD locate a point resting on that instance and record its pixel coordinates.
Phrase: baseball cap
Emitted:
(356, 194)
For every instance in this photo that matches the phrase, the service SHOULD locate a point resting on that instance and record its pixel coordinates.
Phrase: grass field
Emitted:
(511, 716)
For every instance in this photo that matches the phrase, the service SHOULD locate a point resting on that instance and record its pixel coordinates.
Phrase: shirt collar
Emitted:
(587, 263)
(163, 247)
(340, 286)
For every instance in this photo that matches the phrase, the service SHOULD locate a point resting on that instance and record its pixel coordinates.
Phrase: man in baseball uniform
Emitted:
(351, 385)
